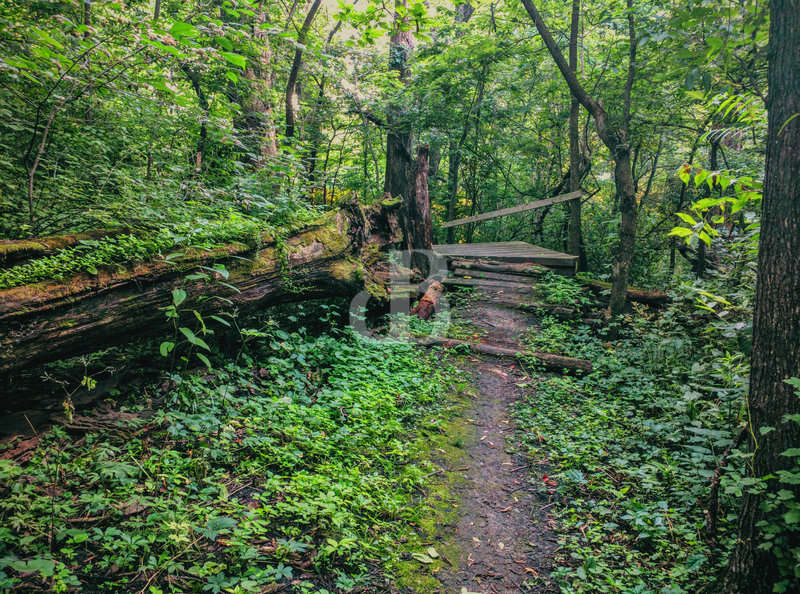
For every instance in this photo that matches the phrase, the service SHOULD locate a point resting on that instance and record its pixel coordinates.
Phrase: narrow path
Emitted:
(501, 534)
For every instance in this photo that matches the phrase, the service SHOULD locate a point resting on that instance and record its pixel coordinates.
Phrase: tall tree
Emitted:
(755, 568)
(295, 71)
(399, 137)
(575, 154)
(617, 143)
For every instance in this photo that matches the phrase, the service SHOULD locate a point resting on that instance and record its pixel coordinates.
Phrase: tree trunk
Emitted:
(776, 322)
(473, 116)
(617, 143)
(341, 256)
(416, 220)
(202, 100)
(257, 110)
(575, 157)
(621, 267)
(454, 162)
(295, 71)
(398, 136)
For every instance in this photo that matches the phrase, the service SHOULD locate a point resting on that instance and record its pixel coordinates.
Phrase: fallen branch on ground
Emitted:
(551, 362)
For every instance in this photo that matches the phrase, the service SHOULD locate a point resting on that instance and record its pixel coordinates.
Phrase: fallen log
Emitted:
(340, 256)
(551, 362)
(653, 297)
(519, 268)
(427, 304)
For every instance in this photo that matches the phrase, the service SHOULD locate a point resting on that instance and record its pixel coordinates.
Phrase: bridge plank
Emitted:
(513, 210)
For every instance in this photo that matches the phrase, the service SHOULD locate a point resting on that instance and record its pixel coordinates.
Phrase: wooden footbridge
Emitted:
(521, 254)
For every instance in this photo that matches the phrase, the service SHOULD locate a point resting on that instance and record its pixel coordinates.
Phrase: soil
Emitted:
(502, 538)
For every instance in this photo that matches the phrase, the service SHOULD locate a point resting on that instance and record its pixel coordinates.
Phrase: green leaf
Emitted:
(204, 359)
(45, 567)
(190, 336)
(235, 59)
(680, 232)
(184, 30)
(178, 296)
(686, 218)
(422, 558)
(166, 347)
(792, 516)
(216, 525)
(694, 562)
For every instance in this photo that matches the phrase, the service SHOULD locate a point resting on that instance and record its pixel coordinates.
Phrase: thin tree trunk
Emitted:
(617, 143)
(38, 159)
(194, 79)
(753, 568)
(473, 115)
(626, 187)
(295, 71)
(575, 157)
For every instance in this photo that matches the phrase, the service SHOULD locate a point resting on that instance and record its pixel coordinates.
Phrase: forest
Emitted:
(405, 297)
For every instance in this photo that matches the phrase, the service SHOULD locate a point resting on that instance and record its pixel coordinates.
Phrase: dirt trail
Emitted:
(501, 534)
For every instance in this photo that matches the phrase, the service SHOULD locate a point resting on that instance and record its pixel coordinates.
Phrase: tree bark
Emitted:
(427, 304)
(341, 256)
(257, 111)
(776, 320)
(417, 221)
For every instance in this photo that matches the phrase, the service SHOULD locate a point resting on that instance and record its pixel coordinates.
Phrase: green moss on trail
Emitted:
(438, 509)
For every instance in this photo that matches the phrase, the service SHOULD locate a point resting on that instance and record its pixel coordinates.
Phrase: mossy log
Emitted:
(651, 297)
(341, 256)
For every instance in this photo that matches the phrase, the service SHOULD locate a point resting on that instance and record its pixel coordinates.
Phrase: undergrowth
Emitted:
(292, 467)
(634, 446)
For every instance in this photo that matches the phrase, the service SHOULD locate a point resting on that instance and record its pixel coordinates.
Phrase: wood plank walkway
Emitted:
(509, 251)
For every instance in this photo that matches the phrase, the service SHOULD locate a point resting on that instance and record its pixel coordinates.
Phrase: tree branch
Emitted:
(592, 106)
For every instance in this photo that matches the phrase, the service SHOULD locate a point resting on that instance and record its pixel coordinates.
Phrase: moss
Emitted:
(64, 324)
(15, 250)
(439, 508)
(347, 270)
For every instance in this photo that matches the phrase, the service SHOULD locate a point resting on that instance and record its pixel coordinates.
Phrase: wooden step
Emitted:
(479, 274)
(487, 283)
(520, 268)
